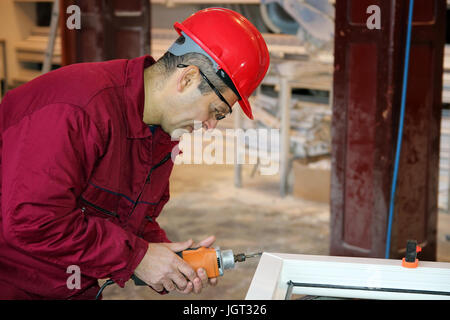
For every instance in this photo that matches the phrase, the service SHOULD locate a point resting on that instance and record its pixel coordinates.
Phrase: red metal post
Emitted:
(110, 29)
(366, 107)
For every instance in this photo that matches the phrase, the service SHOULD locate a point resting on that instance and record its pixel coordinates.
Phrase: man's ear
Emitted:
(187, 78)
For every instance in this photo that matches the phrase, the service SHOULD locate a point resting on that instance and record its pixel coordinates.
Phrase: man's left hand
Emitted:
(204, 281)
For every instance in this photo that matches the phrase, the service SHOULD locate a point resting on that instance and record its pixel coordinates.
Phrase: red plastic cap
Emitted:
(234, 43)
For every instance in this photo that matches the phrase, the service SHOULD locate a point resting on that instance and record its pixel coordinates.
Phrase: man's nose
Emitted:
(211, 123)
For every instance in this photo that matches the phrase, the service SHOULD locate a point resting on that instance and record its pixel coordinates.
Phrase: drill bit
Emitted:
(241, 257)
(253, 255)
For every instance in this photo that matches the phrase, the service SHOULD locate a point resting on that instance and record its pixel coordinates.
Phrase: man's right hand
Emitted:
(161, 268)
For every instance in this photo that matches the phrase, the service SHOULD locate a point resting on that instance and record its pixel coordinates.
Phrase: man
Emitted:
(86, 160)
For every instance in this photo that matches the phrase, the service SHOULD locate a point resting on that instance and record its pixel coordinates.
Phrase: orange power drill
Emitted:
(213, 260)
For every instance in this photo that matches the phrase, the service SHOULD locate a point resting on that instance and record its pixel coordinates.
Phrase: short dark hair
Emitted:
(168, 62)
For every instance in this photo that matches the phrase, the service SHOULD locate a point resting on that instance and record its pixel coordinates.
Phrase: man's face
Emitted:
(189, 106)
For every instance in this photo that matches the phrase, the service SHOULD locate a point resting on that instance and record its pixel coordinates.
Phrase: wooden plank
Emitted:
(33, 0)
(312, 82)
(265, 117)
(26, 75)
(42, 31)
(278, 44)
(23, 56)
(37, 44)
(2, 61)
(446, 96)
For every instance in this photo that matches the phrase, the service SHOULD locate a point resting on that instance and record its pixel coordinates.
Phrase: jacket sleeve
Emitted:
(47, 158)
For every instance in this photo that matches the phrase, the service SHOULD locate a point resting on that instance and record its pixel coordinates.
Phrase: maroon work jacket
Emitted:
(82, 180)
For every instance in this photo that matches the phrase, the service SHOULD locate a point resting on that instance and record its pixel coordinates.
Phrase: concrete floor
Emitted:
(254, 218)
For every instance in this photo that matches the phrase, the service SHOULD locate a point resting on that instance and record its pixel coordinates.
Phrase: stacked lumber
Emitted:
(310, 115)
(279, 45)
(161, 40)
(310, 126)
(444, 162)
(31, 51)
(446, 76)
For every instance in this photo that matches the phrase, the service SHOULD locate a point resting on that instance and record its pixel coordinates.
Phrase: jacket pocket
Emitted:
(157, 181)
(93, 209)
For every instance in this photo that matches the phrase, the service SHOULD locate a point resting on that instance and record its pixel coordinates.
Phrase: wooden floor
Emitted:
(254, 218)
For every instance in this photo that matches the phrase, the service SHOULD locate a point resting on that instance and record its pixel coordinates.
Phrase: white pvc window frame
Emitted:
(378, 277)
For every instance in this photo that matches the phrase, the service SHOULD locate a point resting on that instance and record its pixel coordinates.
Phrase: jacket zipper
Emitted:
(110, 213)
(147, 180)
(167, 157)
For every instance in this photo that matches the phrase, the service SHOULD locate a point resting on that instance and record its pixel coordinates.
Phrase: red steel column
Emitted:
(110, 29)
(366, 106)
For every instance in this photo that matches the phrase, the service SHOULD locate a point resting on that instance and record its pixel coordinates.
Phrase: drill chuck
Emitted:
(225, 259)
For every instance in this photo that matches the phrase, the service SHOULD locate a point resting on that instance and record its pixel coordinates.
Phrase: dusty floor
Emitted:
(254, 218)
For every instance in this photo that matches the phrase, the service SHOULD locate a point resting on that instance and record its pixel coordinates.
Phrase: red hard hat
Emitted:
(235, 45)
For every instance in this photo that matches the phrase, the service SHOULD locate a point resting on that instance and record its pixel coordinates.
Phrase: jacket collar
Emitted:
(135, 97)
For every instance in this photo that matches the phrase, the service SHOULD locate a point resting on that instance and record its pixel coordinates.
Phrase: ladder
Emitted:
(48, 55)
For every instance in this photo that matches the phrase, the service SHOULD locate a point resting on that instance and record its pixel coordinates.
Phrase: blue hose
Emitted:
(400, 129)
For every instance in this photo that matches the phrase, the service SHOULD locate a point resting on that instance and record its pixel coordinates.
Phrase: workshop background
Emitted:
(335, 96)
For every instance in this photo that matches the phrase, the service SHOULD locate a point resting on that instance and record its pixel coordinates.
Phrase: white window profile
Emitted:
(347, 277)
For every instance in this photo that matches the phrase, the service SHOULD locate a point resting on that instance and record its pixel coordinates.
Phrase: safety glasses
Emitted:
(219, 115)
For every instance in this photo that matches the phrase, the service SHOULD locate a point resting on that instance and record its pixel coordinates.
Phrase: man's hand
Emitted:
(202, 280)
(162, 269)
